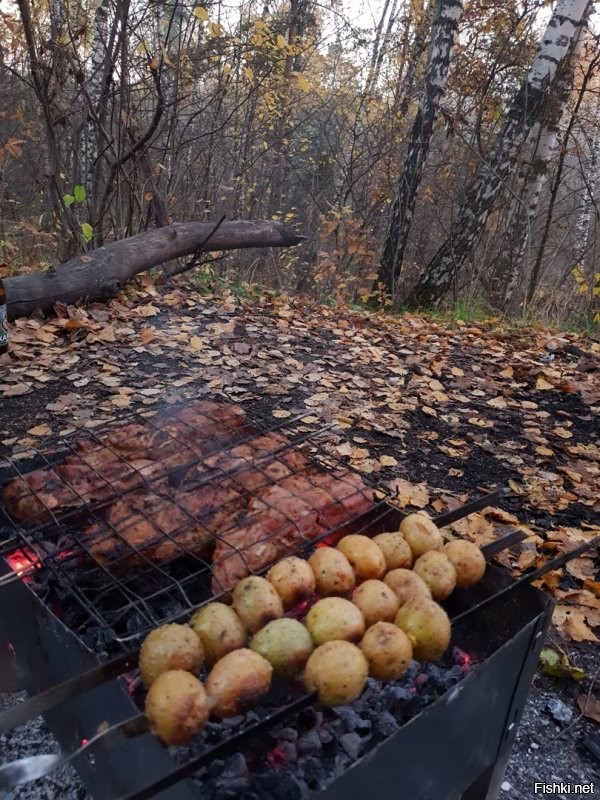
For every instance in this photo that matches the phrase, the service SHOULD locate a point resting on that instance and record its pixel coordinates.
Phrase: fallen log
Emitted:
(100, 274)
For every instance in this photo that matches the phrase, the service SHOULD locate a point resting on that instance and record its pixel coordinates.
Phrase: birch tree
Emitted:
(544, 142)
(556, 46)
(443, 31)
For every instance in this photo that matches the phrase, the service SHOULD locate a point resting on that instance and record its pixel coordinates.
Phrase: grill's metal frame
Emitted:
(58, 653)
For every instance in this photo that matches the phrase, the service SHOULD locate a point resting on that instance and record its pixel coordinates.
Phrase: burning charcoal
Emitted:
(234, 778)
(325, 735)
(351, 742)
(559, 711)
(289, 751)
(215, 768)
(288, 734)
(348, 716)
(309, 743)
(386, 725)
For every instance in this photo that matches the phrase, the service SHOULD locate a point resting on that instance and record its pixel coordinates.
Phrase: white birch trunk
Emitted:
(545, 145)
(556, 46)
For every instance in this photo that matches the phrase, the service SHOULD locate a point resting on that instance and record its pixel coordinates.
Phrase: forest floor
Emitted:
(438, 413)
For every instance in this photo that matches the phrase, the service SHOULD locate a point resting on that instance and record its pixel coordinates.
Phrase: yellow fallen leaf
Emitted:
(497, 402)
(481, 423)
(40, 430)
(542, 383)
(147, 334)
(280, 413)
(120, 400)
(388, 461)
(196, 343)
(309, 420)
(563, 433)
(431, 412)
(544, 451)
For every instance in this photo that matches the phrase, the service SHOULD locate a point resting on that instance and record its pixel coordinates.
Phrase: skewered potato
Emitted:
(237, 682)
(220, 631)
(293, 580)
(337, 671)
(468, 560)
(405, 583)
(427, 626)
(438, 572)
(377, 601)
(335, 618)
(332, 571)
(256, 602)
(286, 644)
(388, 650)
(169, 647)
(395, 549)
(421, 534)
(176, 707)
(365, 557)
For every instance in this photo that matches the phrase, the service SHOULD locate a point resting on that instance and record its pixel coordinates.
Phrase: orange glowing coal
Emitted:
(23, 561)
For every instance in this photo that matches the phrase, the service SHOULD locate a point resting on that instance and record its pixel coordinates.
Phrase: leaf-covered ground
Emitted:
(439, 413)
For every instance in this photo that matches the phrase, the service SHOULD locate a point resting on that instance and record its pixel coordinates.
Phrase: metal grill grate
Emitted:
(126, 527)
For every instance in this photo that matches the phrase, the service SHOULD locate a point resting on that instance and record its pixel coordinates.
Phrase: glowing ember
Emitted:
(462, 659)
(277, 757)
(84, 742)
(23, 562)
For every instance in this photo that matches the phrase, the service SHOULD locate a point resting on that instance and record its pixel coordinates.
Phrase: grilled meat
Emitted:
(164, 522)
(122, 459)
(283, 518)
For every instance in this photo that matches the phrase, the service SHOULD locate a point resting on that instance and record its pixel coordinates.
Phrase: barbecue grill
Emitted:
(109, 533)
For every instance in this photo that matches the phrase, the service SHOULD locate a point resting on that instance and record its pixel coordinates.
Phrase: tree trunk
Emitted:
(445, 24)
(556, 45)
(514, 262)
(100, 274)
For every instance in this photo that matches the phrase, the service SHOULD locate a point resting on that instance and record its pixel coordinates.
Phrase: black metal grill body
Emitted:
(46, 652)
(456, 748)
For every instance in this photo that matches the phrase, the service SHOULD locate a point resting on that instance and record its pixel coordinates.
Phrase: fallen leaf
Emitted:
(407, 493)
(557, 665)
(563, 433)
(589, 706)
(15, 389)
(542, 384)
(40, 430)
(280, 413)
(196, 343)
(388, 461)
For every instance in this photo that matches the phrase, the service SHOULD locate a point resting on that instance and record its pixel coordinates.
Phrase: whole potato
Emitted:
(405, 583)
(468, 560)
(377, 602)
(286, 644)
(176, 707)
(256, 602)
(220, 631)
(438, 572)
(332, 571)
(427, 626)
(171, 646)
(388, 650)
(237, 682)
(337, 671)
(421, 534)
(293, 580)
(395, 549)
(365, 557)
(335, 618)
